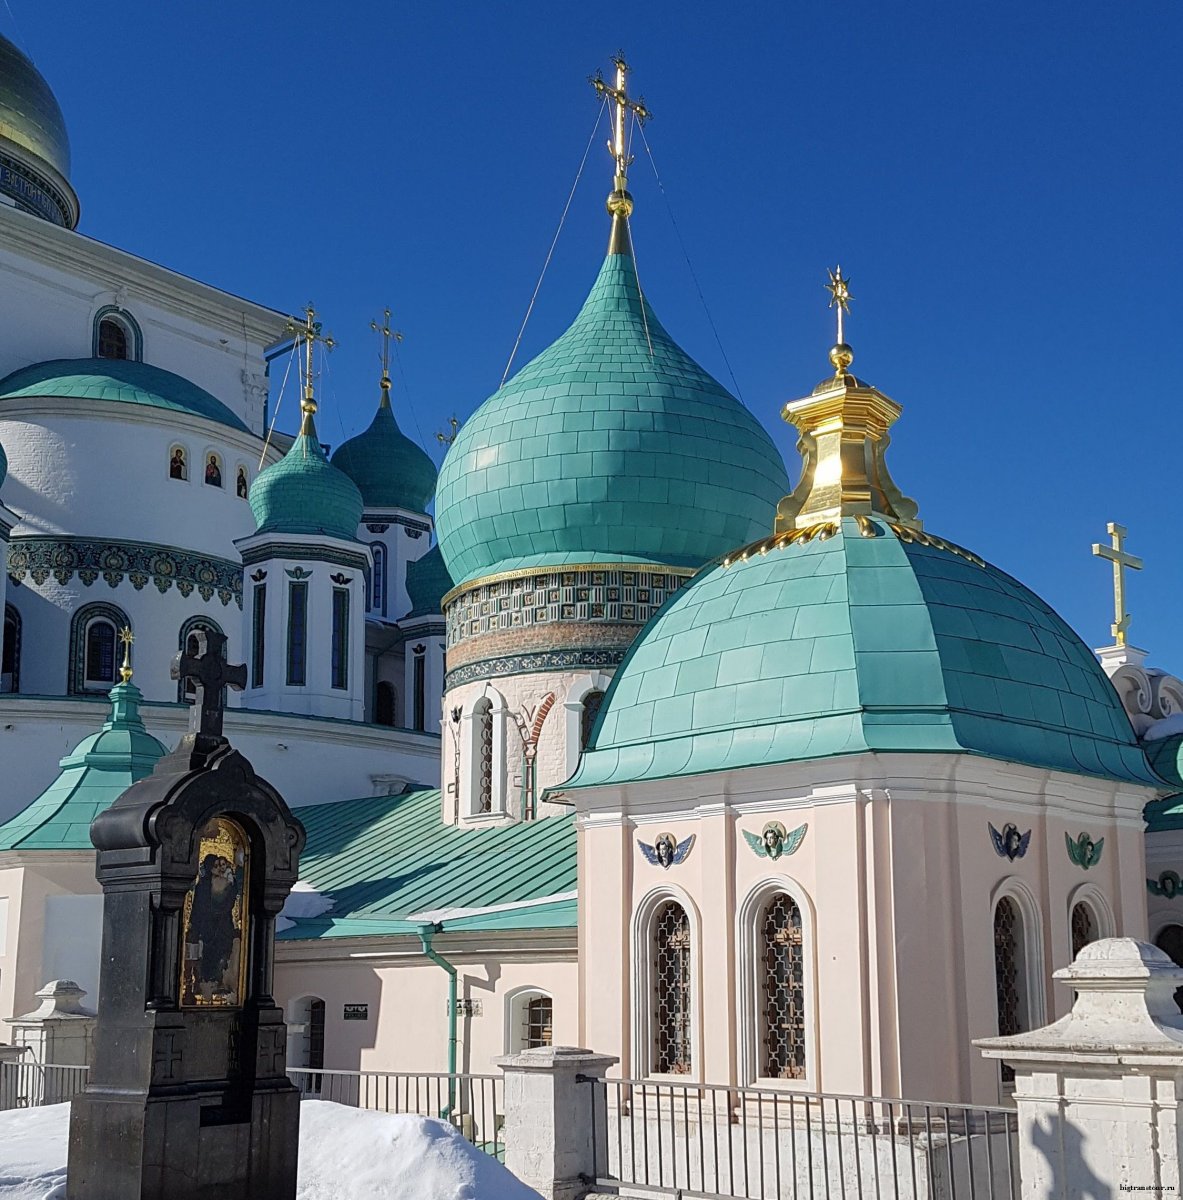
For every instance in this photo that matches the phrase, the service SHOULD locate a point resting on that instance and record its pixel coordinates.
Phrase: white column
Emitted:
(548, 1131)
(1098, 1092)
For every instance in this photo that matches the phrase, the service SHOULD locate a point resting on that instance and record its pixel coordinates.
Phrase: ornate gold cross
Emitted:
(387, 334)
(126, 637)
(308, 333)
(1117, 555)
(617, 146)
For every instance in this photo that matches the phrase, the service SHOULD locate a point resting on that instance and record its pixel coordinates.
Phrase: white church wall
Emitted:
(404, 537)
(73, 941)
(310, 760)
(57, 280)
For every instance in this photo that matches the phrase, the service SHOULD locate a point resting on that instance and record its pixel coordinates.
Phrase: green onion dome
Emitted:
(98, 771)
(117, 381)
(857, 635)
(388, 468)
(33, 141)
(612, 445)
(305, 493)
(428, 582)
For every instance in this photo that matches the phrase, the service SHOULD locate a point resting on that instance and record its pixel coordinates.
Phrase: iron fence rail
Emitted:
(472, 1103)
(725, 1143)
(26, 1083)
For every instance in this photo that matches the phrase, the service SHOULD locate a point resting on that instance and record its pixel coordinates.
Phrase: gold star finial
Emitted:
(620, 203)
(388, 335)
(1117, 555)
(126, 637)
(307, 333)
(839, 288)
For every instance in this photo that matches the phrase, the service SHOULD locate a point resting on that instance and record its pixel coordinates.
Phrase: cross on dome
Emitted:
(209, 673)
(307, 333)
(1116, 554)
(620, 203)
(388, 335)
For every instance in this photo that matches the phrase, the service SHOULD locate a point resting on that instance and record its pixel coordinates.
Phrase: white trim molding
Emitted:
(592, 681)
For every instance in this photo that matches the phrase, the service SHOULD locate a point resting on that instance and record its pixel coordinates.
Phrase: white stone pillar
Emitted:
(1098, 1092)
(57, 1033)
(552, 1135)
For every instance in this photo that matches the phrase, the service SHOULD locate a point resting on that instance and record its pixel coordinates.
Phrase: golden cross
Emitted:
(308, 332)
(619, 96)
(446, 439)
(1120, 559)
(126, 637)
(840, 297)
(387, 333)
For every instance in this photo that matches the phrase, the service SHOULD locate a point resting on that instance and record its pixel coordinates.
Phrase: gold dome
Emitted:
(34, 146)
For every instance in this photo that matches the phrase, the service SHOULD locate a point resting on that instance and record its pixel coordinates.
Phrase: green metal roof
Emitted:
(428, 582)
(1165, 756)
(612, 445)
(304, 493)
(822, 648)
(29, 112)
(120, 381)
(388, 468)
(100, 769)
(386, 859)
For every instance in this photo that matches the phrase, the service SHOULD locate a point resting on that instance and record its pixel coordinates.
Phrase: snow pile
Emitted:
(303, 901)
(345, 1154)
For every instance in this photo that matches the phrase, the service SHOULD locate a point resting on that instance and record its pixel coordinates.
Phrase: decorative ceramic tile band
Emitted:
(528, 664)
(614, 596)
(138, 562)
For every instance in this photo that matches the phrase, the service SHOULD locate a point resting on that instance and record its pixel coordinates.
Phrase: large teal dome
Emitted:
(304, 493)
(118, 381)
(389, 469)
(808, 648)
(612, 445)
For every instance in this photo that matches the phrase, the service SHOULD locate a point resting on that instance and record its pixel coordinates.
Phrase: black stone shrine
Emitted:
(188, 1097)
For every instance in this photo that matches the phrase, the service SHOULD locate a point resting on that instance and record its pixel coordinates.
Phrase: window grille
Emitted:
(671, 986)
(485, 746)
(100, 652)
(783, 991)
(258, 633)
(297, 634)
(1007, 928)
(592, 704)
(537, 1030)
(112, 340)
(1084, 927)
(340, 641)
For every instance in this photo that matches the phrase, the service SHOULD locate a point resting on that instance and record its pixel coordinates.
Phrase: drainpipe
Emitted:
(426, 933)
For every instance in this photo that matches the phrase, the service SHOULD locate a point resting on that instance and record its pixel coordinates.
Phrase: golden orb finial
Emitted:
(620, 202)
(125, 671)
(308, 332)
(841, 355)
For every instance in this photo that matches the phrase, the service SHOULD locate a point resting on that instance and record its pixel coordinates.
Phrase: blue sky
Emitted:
(1000, 181)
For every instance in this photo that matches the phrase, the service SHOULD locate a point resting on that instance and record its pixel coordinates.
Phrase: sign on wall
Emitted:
(356, 1012)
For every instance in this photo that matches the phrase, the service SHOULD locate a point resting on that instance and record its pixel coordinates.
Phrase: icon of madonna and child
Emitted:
(214, 918)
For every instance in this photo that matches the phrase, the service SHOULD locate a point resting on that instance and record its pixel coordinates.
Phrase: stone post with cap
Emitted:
(1098, 1092)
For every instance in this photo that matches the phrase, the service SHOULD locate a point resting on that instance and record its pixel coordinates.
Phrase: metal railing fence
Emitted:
(473, 1103)
(26, 1083)
(726, 1143)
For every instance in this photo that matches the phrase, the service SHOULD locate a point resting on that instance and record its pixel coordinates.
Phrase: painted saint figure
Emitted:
(213, 472)
(176, 465)
(215, 921)
(241, 485)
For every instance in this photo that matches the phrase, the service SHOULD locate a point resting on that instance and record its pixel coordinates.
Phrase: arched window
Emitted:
(113, 339)
(671, 992)
(529, 1016)
(306, 1042)
(213, 470)
(1084, 927)
(539, 1014)
(1170, 942)
(484, 751)
(384, 704)
(1010, 973)
(782, 997)
(378, 582)
(178, 462)
(592, 703)
(94, 658)
(10, 668)
(188, 643)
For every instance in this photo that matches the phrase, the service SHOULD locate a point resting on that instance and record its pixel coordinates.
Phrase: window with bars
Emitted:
(592, 703)
(484, 741)
(1084, 927)
(113, 340)
(783, 991)
(297, 634)
(671, 990)
(1008, 930)
(537, 1022)
(340, 642)
(100, 653)
(258, 633)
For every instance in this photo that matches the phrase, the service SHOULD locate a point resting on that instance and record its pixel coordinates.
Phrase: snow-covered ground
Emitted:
(345, 1154)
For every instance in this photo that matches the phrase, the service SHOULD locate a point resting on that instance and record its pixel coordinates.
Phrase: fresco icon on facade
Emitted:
(1010, 843)
(667, 851)
(214, 921)
(772, 841)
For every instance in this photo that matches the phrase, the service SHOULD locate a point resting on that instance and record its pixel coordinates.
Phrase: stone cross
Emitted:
(209, 673)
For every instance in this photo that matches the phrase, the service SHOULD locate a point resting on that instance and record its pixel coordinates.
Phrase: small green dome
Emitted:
(388, 468)
(304, 493)
(428, 582)
(99, 770)
(815, 649)
(612, 445)
(120, 381)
